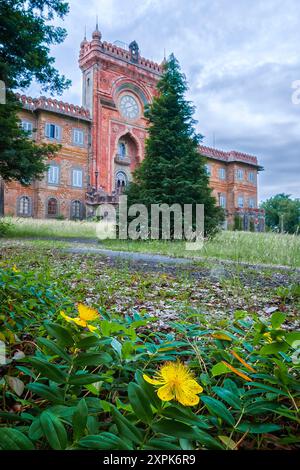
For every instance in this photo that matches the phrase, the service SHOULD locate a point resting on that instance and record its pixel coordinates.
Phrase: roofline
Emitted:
(54, 106)
(230, 156)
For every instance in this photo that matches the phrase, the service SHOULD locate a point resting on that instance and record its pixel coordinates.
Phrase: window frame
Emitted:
(57, 131)
(251, 178)
(81, 207)
(240, 174)
(241, 206)
(76, 169)
(208, 169)
(30, 131)
(221, 172)
(57, 166)
(249, 203)
(47, 207)
(78, 131)
(223, 197)
(21, 214)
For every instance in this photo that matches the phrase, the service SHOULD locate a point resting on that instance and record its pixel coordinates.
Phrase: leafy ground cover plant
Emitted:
(84, 382)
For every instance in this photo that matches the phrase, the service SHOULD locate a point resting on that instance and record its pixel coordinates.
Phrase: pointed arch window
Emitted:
(76, 210)
(121, 181)
(24, 206)
(52, 207)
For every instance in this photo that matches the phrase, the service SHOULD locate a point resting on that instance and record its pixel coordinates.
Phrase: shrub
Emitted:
(5, 228)
(24, 299)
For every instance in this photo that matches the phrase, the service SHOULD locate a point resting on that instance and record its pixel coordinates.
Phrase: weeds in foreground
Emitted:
(76, 378)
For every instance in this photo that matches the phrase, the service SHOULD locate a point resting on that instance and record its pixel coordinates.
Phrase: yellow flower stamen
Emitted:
(176, 381)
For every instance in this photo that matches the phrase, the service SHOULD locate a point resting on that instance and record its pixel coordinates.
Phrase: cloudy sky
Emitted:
(240, 58)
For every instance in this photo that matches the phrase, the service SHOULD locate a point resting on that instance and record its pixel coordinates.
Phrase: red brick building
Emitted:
(104, 140)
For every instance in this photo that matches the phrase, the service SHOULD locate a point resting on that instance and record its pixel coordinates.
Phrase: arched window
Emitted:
(52, 207)
(121, 150)
(121, 181)
(24, 208)
(76, 210)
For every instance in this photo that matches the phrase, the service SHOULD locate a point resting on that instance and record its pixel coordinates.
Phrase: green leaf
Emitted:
(117, 346)
(230, 398)
(180, 430)
(54, 348)
(51, 393)
(262, 387)
(139, 402)
(277, 319)
(229, 443)
(217, 408)
(61, 333)
(292, 337)
(35, 431)
(219, 369)
(93, 359)
(12, 439)
(84, 379)
(104, 441)
(48, 370)
(126, 428)
(79, 420)
(186, 416)
(274, 348)
(185, 444)
(53, 430)
(87, 342)
(258, 428)
(174, 428)
(149, 390)
(161, 444)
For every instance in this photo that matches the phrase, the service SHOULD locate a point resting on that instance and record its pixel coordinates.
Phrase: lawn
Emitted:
(263, 248)
(232, 329)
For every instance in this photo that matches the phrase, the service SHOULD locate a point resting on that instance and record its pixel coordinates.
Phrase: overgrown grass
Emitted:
(20, 227)
(263, 248)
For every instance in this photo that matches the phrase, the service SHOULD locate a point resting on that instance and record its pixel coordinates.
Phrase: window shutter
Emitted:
(47, 129)
(57, 132)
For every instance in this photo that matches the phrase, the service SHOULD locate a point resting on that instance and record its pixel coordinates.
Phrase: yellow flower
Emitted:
(15, 269)
(177, 382)
(86, 314)
(268, 337)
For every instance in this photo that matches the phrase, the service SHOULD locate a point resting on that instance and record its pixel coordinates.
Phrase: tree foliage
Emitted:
(173, 172)
(282, 213)
(26, 34)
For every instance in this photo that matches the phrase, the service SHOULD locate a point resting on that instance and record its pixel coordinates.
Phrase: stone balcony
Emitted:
(121, 160)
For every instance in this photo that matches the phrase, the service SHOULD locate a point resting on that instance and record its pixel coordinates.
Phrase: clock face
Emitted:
(129, 107)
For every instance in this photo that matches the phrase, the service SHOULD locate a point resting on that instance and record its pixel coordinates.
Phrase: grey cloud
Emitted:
(240, 59)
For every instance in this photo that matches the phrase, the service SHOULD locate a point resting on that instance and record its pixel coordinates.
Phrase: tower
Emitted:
(117, 84)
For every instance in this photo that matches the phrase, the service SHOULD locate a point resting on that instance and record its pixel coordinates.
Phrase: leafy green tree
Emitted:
(173, 172)
(282, 213)
(26, 35)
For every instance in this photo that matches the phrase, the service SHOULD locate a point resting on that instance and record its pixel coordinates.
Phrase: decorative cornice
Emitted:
(231, 156)
(54, 106)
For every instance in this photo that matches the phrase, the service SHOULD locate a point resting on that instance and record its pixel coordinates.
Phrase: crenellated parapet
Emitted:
(231, 156)
(55, 106)
(131, 56)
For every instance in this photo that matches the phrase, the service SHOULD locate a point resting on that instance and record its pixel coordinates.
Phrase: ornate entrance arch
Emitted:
(126, 159)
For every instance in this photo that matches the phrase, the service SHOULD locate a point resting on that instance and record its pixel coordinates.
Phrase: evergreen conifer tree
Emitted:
(173, 171)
